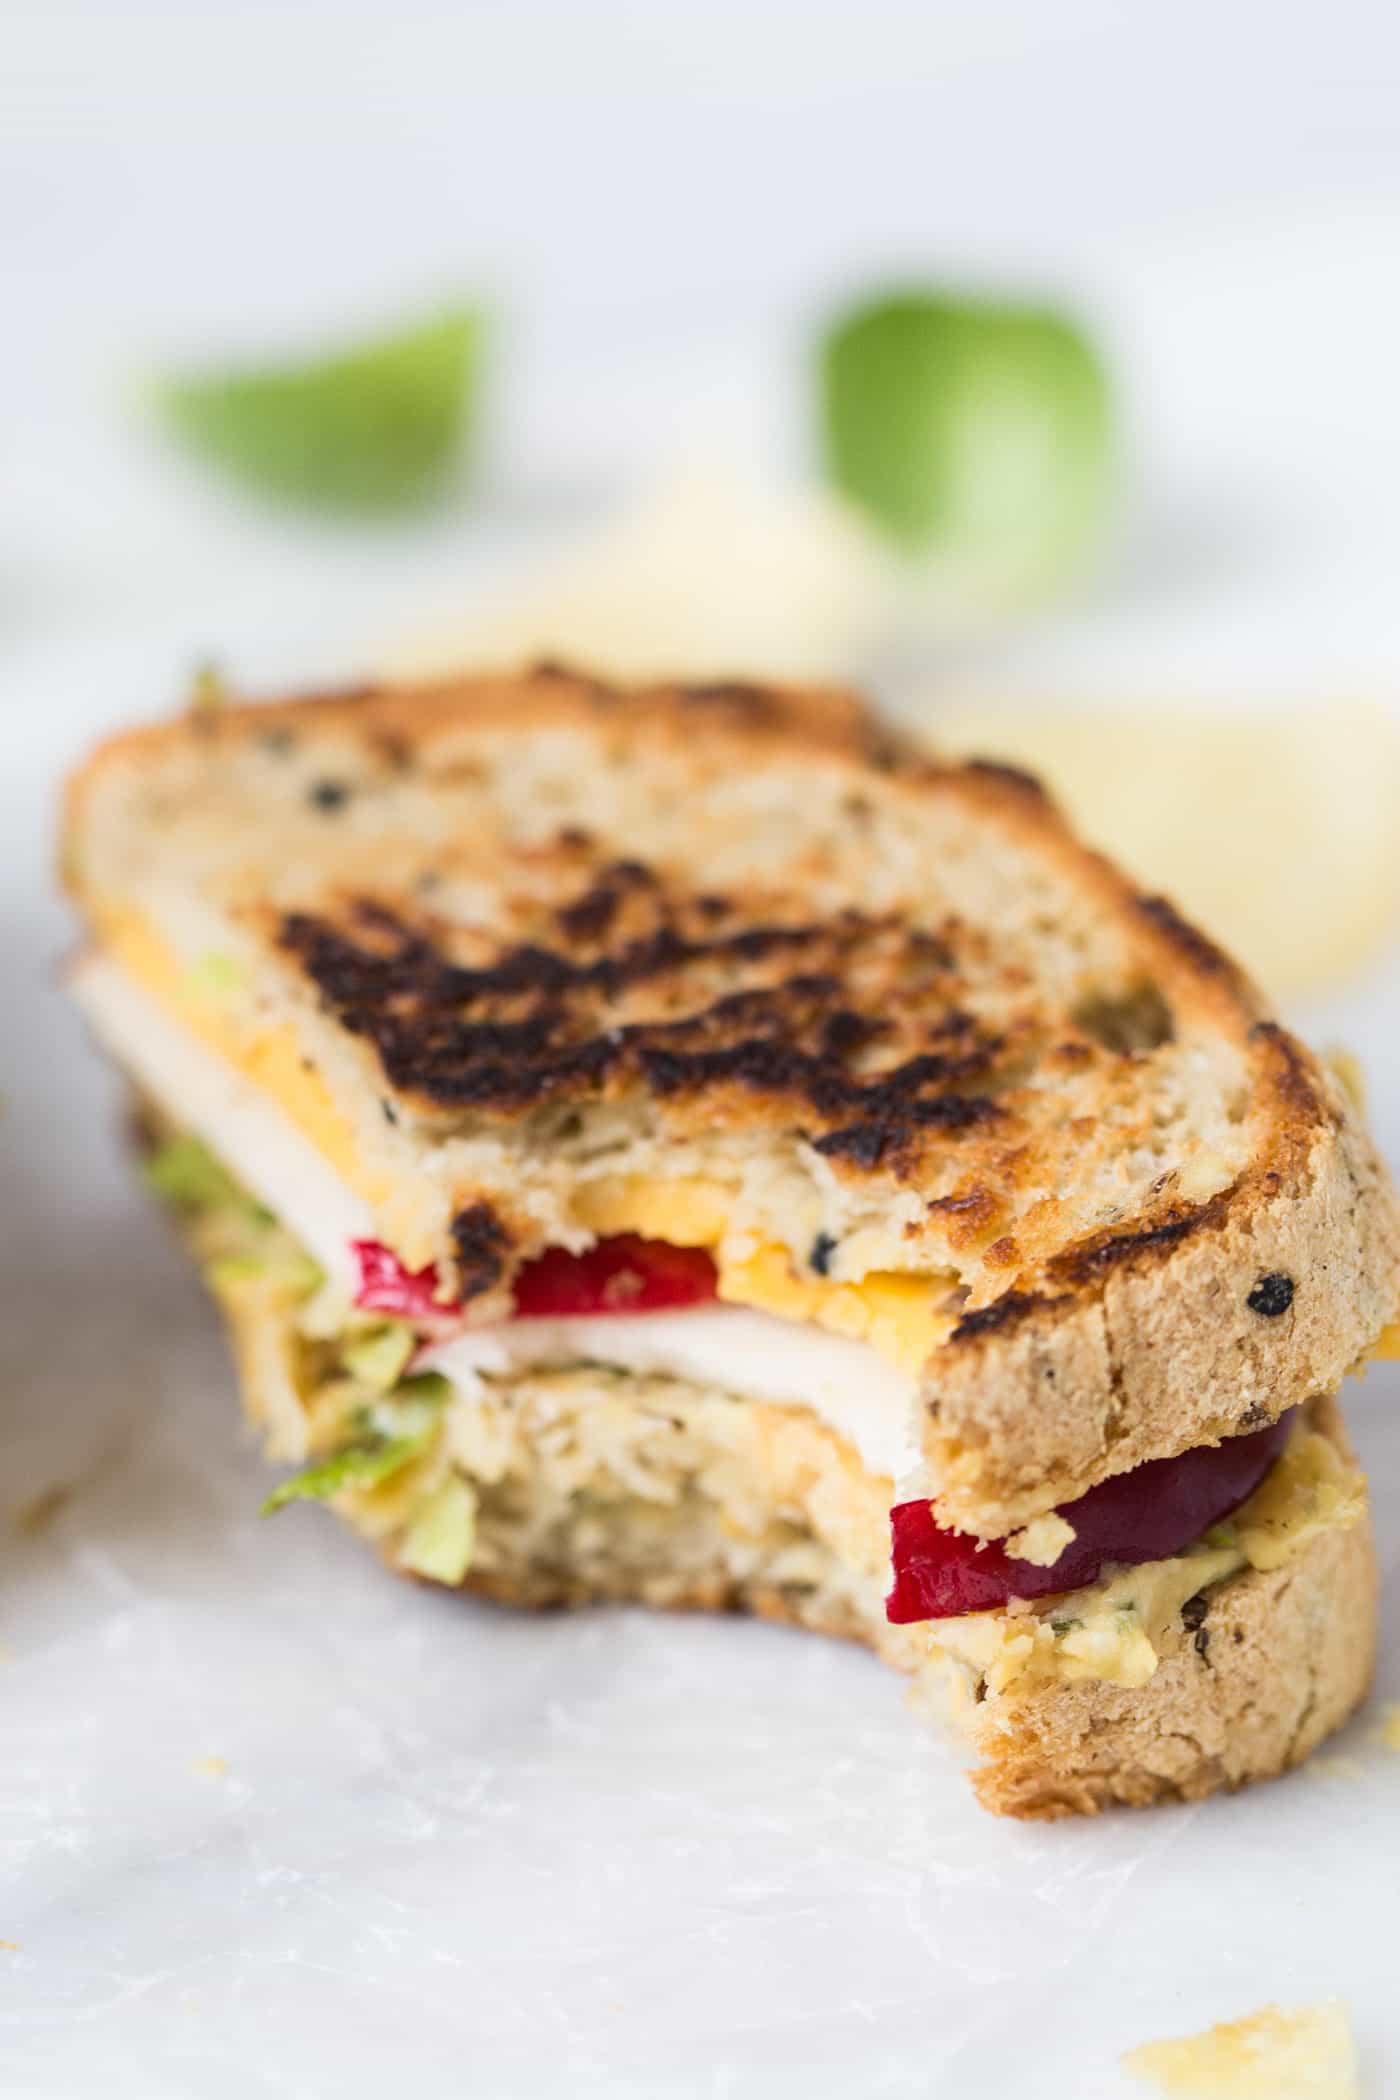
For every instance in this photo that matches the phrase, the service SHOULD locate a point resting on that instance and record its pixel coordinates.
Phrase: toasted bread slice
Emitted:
(532, 959)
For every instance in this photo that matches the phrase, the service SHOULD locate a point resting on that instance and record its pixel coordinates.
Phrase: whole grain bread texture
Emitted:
(533, 936)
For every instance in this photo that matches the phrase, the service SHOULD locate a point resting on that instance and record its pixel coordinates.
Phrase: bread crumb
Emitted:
(212, 1767)
(10, 1946)
(1042, 1542)
(1387, 1729)
(1336, 1766)
(1307, 2054)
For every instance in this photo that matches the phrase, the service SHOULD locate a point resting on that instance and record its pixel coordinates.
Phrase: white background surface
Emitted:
(456, 1851)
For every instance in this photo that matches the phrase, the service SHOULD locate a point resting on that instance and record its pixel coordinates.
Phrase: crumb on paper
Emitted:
(10, 1946)
(212, 1767)
(1387, 1728)
(1335, 1766)
(1042, 1542)
(1305, 2054)
(39, 1512)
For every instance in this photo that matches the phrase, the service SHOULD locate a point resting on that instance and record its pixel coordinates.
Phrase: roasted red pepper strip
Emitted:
(1150, 1513)
(625, 1274)
(386, 1286)
(620, 1275)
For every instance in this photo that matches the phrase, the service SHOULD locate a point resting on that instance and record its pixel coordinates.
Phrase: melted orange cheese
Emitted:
(900, 1315)
(271, 1057)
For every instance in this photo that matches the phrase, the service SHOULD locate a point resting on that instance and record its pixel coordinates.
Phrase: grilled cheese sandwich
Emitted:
(675, 1144)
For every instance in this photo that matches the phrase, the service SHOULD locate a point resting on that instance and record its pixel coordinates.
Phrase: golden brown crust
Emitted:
(922, 1063)
(1275, 1663)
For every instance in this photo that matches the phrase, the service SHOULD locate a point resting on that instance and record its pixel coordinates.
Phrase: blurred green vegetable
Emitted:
(378, 427)
(391, 1433)
(441, 1539)
(363, 1465)
(184, 1173)
(974, 431)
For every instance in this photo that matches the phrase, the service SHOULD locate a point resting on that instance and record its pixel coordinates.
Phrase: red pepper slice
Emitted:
(386, 1286)
(626, 1274)
(620, 1275)
(1149, 1513)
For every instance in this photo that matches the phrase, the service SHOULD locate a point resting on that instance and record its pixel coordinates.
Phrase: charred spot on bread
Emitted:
(1009, 1310)
(481, 1241)
(753, 703)
(1189, 942)
(328, 795)
(1292, 1072)
(1272, 1295)
(1135, 1017)
(589, 916)
(1099, 1252)
(1017, 777)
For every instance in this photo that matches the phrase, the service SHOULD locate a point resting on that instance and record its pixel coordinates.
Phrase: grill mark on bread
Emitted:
(873, 1142)
(752, 703)
(589, 917)
(1200, 952)
(1009, 1310)
(536, 1022)
(1099, 1252)
(1016, 777)
(357, 979)
(1293, 1078)
(481, 1242)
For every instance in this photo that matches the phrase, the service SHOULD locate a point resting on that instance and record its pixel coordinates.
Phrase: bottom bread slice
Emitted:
(582, 1484)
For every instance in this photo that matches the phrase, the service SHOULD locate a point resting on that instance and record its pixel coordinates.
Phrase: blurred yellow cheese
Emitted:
(1277, 831)
(1306, 2054)
(1386, 1346)
(271, 1057)
(899, 1315)
(688, 1212)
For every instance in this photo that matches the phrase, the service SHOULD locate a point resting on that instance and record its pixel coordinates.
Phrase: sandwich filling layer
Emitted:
(674, 1425)
(556, 1484)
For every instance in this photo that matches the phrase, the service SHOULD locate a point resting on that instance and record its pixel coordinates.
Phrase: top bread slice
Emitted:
(536, 942)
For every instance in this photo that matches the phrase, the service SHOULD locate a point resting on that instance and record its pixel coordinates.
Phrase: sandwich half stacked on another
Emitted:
(685, 1145)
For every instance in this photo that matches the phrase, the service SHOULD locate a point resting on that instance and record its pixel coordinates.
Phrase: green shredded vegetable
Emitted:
(441, 1539)
(185, 1173)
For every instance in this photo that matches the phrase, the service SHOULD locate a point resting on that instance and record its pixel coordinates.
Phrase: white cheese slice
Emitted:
(847, 1384)
(252, 1135)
